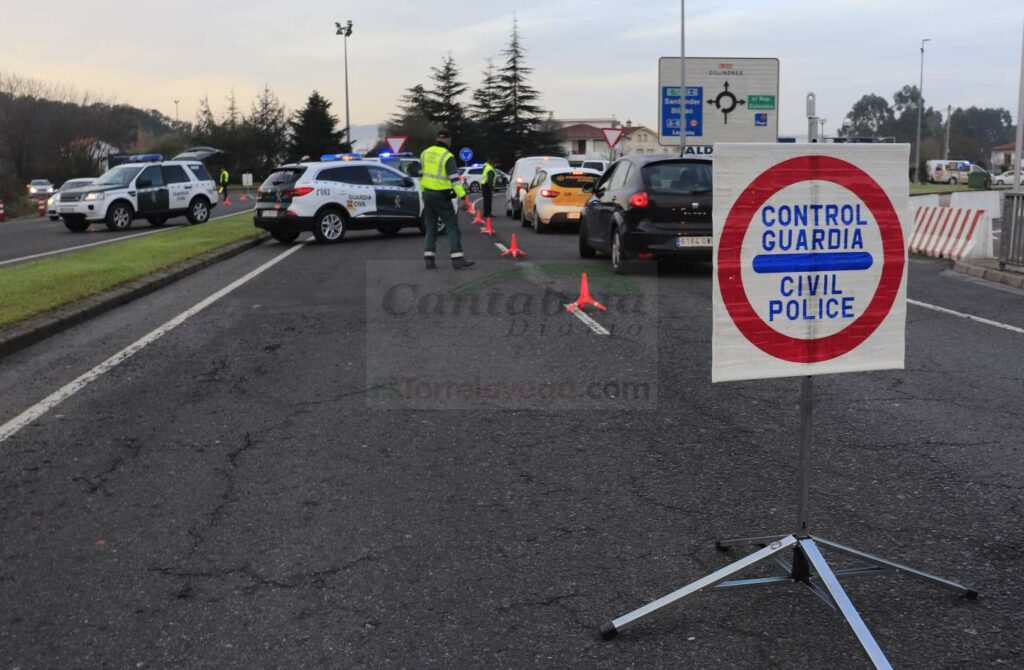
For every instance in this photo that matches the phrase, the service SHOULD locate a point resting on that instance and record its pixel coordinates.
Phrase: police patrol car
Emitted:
(144, 187)
(338, 193)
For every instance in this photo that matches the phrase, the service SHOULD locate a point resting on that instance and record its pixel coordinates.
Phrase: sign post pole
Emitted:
(791, 329)
(682, 78)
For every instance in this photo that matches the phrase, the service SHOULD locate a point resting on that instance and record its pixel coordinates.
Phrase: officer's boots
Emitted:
(460, 263)
(430, 262)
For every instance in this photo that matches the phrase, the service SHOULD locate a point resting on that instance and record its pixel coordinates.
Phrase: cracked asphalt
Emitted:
(349, 462)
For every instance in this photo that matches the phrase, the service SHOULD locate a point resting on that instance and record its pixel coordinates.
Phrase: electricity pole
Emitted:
(949, 122)
(682, 77)
(176, 110)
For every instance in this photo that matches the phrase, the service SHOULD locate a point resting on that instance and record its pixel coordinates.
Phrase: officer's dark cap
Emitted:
(444, 134)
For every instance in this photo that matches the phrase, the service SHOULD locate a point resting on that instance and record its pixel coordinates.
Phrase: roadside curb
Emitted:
(34, 329)
(1014, 279)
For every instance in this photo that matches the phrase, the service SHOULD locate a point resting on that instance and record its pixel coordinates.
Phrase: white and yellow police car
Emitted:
(338, 193)
(145, 187)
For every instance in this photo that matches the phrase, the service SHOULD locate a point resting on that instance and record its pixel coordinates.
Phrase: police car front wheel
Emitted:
(198, 211)
(329, 227)
(119, 216)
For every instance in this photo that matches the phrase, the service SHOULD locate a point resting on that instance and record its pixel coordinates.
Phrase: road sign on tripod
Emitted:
(810, 278)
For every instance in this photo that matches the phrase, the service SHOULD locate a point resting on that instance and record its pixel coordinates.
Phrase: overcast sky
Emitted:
(590, 57)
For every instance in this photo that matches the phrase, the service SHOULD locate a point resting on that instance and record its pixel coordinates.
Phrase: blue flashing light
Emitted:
(145, 158)
(386, 154)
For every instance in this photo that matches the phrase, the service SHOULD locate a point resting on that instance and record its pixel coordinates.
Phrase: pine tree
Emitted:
(206, 127)
(313, 129)
(487, 113)
(523, 119)
(414, 119)
(443, 106)
(268, 129)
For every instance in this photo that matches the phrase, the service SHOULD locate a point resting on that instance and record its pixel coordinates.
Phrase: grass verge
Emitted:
(925, 189)
(40, 286)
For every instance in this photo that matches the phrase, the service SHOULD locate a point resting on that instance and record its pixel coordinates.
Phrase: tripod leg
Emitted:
(841, 600)
(970, 594)
(722, 545)
(610, 629)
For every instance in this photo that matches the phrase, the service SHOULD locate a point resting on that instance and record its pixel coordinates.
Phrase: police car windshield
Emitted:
(119, 176)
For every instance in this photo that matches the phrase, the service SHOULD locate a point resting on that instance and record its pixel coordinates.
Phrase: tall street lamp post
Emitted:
(345, 31)
(920, 107)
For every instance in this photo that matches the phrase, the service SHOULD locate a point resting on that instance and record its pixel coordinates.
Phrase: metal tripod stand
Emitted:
(808, 566)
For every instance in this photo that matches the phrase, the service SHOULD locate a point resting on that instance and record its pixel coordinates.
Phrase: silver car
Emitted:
(54, 200)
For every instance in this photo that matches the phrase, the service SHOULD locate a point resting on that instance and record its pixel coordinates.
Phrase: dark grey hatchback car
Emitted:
(648, 208)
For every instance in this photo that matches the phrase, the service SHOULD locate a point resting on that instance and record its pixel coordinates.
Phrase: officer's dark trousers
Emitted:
(488, 195)
(225, 187)
(438, 207)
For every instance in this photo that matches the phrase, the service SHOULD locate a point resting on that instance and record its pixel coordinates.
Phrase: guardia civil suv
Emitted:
(334, 195)
(146, 187)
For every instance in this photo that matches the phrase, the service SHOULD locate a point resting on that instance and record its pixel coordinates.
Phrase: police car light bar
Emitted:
(145, 158)
(340, 157)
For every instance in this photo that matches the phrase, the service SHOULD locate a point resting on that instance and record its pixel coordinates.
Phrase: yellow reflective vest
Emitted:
(434, 178)
(487, 179)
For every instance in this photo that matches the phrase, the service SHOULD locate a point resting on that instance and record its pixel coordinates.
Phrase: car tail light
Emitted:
(289, 193)
(639, 200)
(547, 193)
(645, 256)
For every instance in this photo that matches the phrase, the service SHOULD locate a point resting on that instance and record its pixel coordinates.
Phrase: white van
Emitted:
(949, 171)
(523, 173)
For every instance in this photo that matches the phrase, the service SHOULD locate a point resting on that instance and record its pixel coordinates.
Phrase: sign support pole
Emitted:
(808, 568)
(682, 78)
(804, 480)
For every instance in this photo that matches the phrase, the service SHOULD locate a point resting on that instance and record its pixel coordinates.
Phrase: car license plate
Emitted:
(574, 215)
(268, 213)
(67, 210)
(690, 242)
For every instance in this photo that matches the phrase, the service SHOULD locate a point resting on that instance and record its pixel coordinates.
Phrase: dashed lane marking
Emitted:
(36, 411)
(586, 319)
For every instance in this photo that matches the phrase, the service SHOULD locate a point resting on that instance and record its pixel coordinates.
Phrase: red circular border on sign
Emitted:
(730, 278)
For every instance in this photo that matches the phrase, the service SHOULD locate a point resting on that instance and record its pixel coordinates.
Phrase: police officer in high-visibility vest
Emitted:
(441, 184)
(487, 181)
(224, 178)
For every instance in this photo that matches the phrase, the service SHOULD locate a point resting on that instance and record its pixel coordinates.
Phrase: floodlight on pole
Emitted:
(920, 107)
(345, 31)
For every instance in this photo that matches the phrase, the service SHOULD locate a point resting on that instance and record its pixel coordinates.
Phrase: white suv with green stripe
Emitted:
(146, 188)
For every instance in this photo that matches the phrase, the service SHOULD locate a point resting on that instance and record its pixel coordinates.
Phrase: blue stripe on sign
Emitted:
(813, 262)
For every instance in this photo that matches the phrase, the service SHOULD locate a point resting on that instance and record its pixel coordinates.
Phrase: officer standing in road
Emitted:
(440, 183)
(487, 181)
(224, 178)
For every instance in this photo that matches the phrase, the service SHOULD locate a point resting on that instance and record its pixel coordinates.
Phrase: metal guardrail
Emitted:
(1011, 242)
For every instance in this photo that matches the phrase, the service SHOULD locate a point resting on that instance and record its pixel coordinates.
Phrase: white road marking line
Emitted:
(970, 317)
(501, 247)
(36, 411)
(582, 316)
(96, 244)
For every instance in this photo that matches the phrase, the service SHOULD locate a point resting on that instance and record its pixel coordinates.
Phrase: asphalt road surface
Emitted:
(28, 239)
(348, 462)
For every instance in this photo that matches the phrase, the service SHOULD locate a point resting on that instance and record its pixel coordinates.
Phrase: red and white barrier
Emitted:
(1, 210)
(952, 232)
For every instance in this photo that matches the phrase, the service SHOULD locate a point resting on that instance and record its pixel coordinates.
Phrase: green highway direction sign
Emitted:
(761, 102)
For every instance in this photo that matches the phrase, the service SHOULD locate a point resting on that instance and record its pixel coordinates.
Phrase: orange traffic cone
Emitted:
(487, 230)
(227, 199)
(585, 297)
(478, 220)
(243, 197)
(470, 208)
(514, 249)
